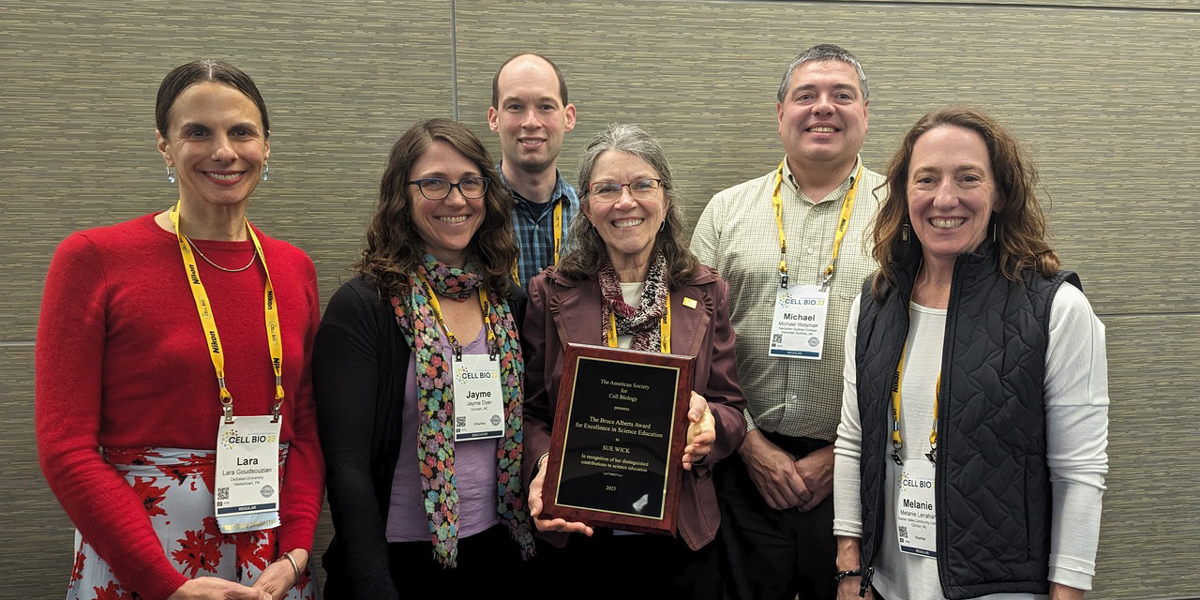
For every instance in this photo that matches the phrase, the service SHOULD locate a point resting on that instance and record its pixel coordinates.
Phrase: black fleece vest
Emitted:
(993, 484)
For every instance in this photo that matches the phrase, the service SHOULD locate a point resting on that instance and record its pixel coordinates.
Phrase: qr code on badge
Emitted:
(223, 493)
(903, 531)
(460, 422)
(777, 338)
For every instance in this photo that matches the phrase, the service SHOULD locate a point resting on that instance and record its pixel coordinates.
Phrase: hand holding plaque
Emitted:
(701, 432)
(542, 522)
(617, 451)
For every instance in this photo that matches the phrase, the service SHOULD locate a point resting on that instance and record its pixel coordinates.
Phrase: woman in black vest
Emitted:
(970, 459)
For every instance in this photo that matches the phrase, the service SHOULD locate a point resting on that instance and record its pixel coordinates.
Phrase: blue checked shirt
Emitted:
(535, 232)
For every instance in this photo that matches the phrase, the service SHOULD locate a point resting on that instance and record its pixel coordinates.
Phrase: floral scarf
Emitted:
(435, 406)
(642, 323)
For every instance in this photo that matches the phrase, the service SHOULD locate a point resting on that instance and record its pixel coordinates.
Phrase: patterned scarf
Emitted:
(642, 323)
(435, 406)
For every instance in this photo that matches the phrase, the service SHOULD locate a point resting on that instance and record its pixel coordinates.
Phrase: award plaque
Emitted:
(619, 431)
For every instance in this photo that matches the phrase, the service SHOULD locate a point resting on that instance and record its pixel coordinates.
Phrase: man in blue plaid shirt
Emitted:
(531, 113)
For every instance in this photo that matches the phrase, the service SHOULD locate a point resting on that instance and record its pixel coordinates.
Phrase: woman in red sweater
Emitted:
(172, 374)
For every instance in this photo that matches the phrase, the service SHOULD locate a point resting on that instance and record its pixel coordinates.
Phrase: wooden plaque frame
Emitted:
(615, 414)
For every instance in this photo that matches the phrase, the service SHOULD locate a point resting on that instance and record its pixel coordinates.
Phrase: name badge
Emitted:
(478, 407)
(246, 490)
(916, 520)
(798, 330)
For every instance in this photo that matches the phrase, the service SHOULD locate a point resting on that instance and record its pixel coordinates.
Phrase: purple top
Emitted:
(474, 469)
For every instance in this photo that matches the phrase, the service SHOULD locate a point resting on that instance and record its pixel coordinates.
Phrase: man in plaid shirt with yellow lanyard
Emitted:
(531, 113)
(792, 245)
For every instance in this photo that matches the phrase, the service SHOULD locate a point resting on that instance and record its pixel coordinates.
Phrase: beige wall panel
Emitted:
(1148, 546)
(342, 80)
(36, 555)
(1183, 6)
(1107, 101)
(321, 542)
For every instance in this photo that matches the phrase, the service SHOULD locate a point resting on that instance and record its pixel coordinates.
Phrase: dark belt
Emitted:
(796, 446)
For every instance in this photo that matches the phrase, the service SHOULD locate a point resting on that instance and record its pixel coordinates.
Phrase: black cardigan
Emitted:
(360, 370)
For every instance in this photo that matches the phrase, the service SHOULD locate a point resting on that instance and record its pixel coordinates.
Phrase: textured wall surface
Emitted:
(1105, 94)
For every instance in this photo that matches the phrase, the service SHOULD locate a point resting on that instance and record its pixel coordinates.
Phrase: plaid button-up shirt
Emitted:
(737, 235)
(533, 225)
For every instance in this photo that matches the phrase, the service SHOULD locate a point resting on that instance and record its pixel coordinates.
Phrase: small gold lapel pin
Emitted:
(689, 302)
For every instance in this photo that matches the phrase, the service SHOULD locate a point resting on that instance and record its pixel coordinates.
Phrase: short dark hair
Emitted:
(206, 69)
(394, 244)
(823, 53)
(562, 83)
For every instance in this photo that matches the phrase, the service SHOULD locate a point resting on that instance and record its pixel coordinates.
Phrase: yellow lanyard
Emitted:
(204, 308)
(897, 443)
(558, 208)
(843, 225)
(484, 304)
(558, 226)
(664, 329)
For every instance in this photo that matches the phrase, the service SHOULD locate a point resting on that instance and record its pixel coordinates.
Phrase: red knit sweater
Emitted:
(121, 362)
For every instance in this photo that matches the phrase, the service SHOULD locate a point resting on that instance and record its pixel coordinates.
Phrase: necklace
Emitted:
(253, 255)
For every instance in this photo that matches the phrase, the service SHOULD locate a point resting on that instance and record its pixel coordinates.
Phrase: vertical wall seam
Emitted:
(453, 60)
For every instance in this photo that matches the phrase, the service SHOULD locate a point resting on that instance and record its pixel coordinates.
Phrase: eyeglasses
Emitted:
(610, 191)
(436, 189)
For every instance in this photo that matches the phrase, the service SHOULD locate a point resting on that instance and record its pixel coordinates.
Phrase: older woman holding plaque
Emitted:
(630, 282)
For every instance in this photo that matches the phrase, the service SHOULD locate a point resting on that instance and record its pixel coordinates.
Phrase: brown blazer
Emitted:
(564, 310)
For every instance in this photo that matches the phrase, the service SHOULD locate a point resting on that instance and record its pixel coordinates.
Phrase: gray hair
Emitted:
(588, 248)
(632, 140)
(821, 53)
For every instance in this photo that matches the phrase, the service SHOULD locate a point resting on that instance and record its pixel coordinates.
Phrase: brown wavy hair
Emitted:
(394, 245)
(1019, 225)
(588, 250)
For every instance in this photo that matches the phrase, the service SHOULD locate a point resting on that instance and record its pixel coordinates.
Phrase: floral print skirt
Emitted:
(176, 489)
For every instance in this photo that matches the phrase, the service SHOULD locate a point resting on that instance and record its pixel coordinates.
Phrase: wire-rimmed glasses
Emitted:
(607, 192)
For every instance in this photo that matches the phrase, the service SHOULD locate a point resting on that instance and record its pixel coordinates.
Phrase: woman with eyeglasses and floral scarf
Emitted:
(424, 477)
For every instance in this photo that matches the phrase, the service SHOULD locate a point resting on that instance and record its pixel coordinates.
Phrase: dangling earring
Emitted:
(904, 231)
(662, 226)
(995, 231)
(266, 169)
(171, 176)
